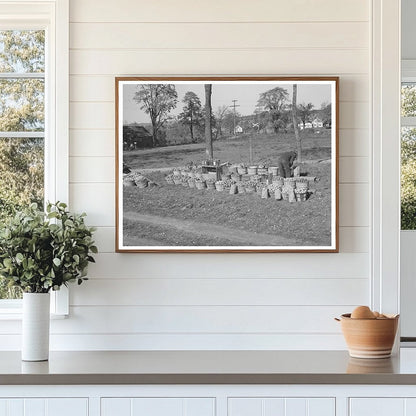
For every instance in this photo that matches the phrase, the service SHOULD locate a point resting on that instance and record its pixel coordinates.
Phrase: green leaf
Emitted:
(37, 255)
(69, 223)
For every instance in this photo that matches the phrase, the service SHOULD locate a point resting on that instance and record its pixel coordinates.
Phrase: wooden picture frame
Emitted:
(177, 136)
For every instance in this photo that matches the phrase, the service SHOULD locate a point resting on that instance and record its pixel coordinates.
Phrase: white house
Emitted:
(317, 123)
(238, 129)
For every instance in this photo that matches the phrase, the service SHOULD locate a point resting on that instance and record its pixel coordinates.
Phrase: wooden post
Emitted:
(295, 123)
(208, 130)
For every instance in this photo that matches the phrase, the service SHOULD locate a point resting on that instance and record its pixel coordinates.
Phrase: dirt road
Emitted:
(236, 237)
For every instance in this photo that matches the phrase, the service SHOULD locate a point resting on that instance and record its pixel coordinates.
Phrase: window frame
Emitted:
(408, 76)
(53, 17)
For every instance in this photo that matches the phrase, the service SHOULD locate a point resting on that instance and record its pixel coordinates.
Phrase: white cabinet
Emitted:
(146, 406)
(208, 400)
(281, 406)
(44, 407)
(382, 406)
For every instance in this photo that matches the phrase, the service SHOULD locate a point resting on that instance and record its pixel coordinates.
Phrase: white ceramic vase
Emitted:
(35, 326)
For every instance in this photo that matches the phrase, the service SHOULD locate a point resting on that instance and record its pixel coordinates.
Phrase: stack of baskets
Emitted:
(141, 181)
(210, 183)
(289, 189)
(169, 179)
(301, 190)
(200, 183)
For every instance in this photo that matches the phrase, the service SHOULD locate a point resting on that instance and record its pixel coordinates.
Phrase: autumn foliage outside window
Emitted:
(22, 124)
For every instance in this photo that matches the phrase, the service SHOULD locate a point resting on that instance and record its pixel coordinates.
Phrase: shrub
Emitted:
(43, 251)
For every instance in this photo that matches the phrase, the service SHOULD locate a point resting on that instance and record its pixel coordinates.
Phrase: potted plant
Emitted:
(40, 252)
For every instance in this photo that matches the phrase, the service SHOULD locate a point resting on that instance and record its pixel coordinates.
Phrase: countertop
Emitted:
(207, 367)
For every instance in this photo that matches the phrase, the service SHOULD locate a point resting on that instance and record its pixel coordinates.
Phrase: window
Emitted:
(33, 111)
(408, 155)
(22, 124)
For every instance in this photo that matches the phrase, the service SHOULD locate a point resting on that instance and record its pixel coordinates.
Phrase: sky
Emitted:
(246, 95)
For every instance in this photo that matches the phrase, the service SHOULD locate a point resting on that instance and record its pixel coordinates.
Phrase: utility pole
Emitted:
(234, 113)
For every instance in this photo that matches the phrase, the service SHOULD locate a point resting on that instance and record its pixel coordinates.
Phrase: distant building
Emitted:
(238, 130)
(136, 137)
(317, 123)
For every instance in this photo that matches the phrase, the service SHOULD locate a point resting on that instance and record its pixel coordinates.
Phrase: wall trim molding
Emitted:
(385, 99)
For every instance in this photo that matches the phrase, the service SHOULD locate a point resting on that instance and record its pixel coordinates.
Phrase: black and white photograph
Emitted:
(227, 164)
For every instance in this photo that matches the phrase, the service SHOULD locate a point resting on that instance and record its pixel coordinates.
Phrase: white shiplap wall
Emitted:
(181, 301)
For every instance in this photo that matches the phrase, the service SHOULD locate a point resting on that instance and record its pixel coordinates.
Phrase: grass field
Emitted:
(265, 150)
(172, 215)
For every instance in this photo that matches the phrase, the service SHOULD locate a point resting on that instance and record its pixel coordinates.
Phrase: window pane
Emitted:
(21, 182)
(21, 173)
(22, 104)
(22, 51)
(408, 105)
(408, 178)
(21, 109)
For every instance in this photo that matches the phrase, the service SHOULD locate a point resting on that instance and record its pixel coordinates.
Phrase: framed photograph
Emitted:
(227, 164)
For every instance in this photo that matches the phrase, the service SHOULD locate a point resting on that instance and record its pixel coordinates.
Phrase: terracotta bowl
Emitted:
(369, 338)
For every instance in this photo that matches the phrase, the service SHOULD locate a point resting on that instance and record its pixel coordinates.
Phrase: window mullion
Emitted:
(22, 134)
(22, 75)
(408, 121)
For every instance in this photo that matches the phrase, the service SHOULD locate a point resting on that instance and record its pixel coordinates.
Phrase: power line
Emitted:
(234, 115)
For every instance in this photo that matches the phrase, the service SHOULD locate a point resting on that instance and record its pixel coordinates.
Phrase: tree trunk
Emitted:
(295, 123)
(192, 133)
(154, 133)
(208, 130)
(192, 127)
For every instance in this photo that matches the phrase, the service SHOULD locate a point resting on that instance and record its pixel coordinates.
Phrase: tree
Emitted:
(157, 100)
(21, 174)
(219, 116)
(408, 179)
(408, 161)
(274, 102)
(304, 111)
(326, 113)
(408, 195)
(228, 120)
(408, 100)
(22, 100)
(208, 116)
(191, 114)
(21, 109)
(408, 144)
(295, 122)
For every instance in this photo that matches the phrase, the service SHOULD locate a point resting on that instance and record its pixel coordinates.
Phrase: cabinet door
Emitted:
(44, 407)
(382, 407)
(268, 406)
(160, 406)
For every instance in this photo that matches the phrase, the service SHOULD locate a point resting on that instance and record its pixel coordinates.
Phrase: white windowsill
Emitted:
(10, 315)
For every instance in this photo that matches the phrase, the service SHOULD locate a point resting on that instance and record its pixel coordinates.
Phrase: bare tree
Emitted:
(295, 123)
(208, 116)
(219, 116)
(274, 103)
(305, 111)
(157, 100)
